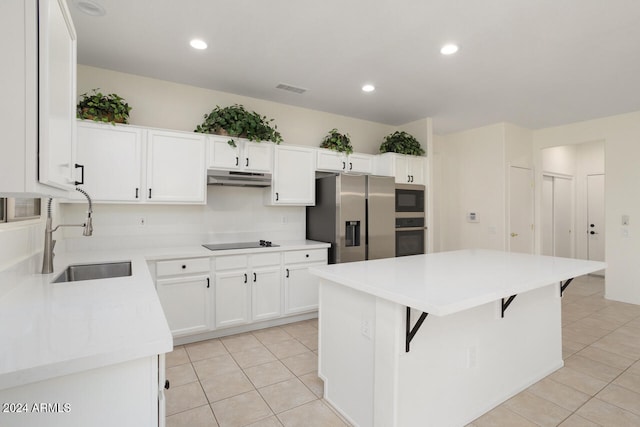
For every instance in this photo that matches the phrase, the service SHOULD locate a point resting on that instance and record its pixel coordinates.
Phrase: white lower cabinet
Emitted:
(126, 394)
(300, 287)
(184, 288)
(247, 288)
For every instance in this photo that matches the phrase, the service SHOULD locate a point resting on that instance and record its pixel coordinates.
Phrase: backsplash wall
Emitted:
(231, 214)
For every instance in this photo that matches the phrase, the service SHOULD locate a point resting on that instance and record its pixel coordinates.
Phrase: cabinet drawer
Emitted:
(260, 260)
(313, 255)
(231, 262)
(182, 266)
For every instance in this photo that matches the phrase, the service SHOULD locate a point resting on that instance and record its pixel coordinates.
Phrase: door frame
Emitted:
(572, 180)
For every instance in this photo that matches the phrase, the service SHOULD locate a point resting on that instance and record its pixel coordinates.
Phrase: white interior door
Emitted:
(520, 210)
(595, 217)
(547, 215)
(562, 217)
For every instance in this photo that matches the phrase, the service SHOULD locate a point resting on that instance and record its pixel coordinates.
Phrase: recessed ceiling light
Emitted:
(198, 44)
(90, 7)
(449, 49)
(368, 88)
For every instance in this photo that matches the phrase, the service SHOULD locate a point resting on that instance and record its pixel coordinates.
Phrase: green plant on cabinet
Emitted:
(109, 108)
(337, 141)
(236, 121)
(401, 142)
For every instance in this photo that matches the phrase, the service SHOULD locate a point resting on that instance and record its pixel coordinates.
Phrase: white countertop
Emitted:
(49, 330)
(448, 282)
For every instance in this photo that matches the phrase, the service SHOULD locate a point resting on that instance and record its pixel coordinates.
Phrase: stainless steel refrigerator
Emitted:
(356, 214)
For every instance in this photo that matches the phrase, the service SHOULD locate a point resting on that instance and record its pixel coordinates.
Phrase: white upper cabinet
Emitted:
(131, 164)
(112, 159)
(57, 90)
(245, 156)
(175, 167)
(333, 161)
(38, 44)
(293, 177)
(406, 169)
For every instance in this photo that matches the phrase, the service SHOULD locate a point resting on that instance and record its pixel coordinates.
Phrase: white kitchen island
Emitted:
(464, 359)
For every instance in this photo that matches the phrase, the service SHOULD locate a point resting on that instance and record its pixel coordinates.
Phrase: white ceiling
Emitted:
(534, 63)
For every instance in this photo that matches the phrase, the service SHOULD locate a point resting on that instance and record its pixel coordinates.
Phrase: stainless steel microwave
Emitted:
(410, 198)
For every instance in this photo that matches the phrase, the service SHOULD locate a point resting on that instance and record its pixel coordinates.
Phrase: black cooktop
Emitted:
(240, 245)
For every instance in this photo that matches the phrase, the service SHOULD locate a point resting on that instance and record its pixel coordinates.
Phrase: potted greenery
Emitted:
(236, 121)
(98, 107)
(337, 141)
(401, 142)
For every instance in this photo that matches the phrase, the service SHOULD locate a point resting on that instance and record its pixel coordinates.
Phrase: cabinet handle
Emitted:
(137, 192)
(149, 193)
(306, 255)
(167, 384)
(411, 178)
(408, 178)
(184, 266)
(81, 174)
(237, 161)
(277, 196)
(247, 162)
(208, 282)
(245, 277)
(344, 165)
(287, 272)
(350, 166)
(255, 276)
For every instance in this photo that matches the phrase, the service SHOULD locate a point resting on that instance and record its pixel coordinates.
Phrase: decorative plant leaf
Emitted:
(401, 142)
(337, 141)
(109, 108)
(236, 121)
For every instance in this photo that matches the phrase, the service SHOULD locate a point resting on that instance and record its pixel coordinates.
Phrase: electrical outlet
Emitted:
(366, 328)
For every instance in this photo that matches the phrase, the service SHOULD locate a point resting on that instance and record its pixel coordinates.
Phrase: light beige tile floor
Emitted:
(269, 377)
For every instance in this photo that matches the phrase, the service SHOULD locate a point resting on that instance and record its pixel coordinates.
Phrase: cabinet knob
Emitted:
(167, 384)
(306, 255)
(184, 266)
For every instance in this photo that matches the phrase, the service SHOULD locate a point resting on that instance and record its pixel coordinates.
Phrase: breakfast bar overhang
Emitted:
(439, 339)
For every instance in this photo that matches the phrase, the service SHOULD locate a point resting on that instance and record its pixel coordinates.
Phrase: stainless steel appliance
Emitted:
(355, 213)
(238, 179)
(410, 235)
(240, 245)
(410, 198)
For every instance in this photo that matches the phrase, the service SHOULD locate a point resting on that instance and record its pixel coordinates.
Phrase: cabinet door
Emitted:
(111, 156)
(265, 293)
(417, 169)
(176, 169)
(293, 176)
(231, 298)
(257, 156)
(360, 163)
(300, 289)
(401, 169)
(222, 155)
(185, 302)
(332, 161)
(57, 95)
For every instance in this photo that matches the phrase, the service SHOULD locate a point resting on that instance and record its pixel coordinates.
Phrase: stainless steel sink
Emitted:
(77, 272)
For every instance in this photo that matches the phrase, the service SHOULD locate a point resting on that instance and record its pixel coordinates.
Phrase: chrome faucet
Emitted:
(49, 243)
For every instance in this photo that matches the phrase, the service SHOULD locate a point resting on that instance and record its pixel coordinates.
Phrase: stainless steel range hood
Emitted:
(238, 179)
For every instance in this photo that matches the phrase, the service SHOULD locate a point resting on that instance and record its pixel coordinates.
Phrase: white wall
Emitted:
(471, 178)
(621, 136)
(231, 214)
(168, 105)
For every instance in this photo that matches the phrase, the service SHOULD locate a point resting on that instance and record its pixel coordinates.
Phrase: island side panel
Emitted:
(464, 364)
(346, 350)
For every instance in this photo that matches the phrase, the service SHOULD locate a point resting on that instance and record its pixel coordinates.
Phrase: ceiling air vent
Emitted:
(290, 88)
